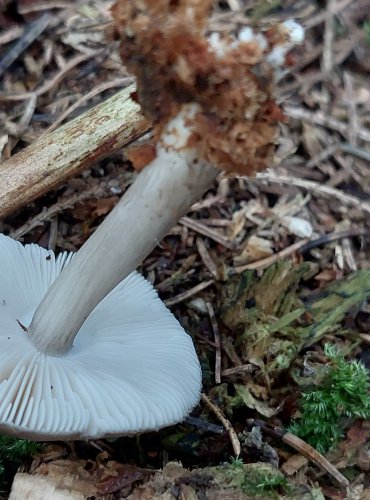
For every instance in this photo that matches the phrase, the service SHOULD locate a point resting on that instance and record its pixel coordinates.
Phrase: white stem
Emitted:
(161, 194)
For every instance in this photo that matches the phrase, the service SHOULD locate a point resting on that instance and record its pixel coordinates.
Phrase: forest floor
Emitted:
(270, 275)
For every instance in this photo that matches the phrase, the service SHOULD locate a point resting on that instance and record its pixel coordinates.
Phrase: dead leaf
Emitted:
(125, 477)
(250, 401)
(255, 249)
(294, 464)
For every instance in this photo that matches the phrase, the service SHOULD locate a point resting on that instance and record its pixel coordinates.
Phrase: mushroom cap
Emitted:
(131, 368)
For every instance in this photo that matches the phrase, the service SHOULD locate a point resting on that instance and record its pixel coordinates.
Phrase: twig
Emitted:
(365, 337)
(235, 443)
(23, 123)
(320, 18)
(53, 233)
(204, 425)
(29, 7)
(216, 334)
(263, 263)
(236, 370)
(348, 254)
(319, 118)
(30, 34)
(309, 452)
(332, 149)
(206, 258)
(315, 187)
(76, 145)
(11, 34)
(355, 151)
(207, 202)
(189, 293)
(54, 210)
(329, 238)
(327, 51)
(206, 231)
(352, 109)
(54, 81)
(305, 449)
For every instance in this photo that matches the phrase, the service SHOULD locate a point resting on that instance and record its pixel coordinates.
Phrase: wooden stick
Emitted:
(304, 449)
(235, 443)
(76, 145)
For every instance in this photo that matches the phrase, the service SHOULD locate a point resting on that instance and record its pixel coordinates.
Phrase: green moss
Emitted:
(13, 452)
(366, 28)
(327, 409)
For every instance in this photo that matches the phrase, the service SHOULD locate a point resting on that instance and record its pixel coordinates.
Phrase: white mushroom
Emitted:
(95, 352)
(131, 367)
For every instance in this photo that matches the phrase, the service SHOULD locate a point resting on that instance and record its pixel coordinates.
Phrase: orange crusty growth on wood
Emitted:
(163, 43)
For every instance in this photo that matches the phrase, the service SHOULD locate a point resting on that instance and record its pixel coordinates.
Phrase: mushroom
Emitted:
(79, 370)
(131, 367)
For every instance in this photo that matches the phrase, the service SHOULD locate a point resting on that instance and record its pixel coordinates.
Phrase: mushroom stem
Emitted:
(160, 195)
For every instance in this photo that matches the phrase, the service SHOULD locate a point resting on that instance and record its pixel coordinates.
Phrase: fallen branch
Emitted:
(76, 145)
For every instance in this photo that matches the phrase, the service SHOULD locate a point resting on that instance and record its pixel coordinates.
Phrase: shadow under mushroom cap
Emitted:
(131, 368)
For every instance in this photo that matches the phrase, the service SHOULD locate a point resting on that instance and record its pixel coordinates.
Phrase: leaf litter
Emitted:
(273, 316)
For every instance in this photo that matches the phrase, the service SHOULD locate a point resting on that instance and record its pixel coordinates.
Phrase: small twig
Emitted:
(207, 203)
(315, 187)
(365, 337)
(352, 109)
(206, 231)
(348, 254)
(59, 206)
(54, 81)
(322, 156)
(327, 51)
(189, 293)
(206, 258)
(332, 149)
(305, 449)
(30, 34)
(216, 334)
(11, 34)
(329, 238)
(29, 7)
(226, 423)
(53, 233)
(204, 425)
(311, 454)
(263, 263)
(319, 118)
(320, 18)
(236, 370)
(355, 151)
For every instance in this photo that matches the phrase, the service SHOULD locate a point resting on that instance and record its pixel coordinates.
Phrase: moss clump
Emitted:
(13, 452)
(341, 397)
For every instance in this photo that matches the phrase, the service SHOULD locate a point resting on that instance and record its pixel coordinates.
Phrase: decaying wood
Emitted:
(76, 145)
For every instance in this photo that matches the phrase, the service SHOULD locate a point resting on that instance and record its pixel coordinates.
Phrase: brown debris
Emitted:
(236, 125)
(141, 155)
(323, 178)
